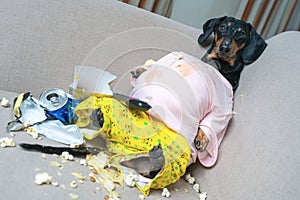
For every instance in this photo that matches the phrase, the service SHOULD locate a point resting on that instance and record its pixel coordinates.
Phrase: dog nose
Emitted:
(225, 46)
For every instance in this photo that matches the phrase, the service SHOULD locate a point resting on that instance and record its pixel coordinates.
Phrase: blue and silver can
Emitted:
(59, 105)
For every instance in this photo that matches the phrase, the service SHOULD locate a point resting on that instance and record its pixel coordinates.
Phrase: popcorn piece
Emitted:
(141, 197)
(115, 195)
(196, 187)
(32, 132)
(43, 156)
(54, 183)
(150, 62)
(203, 195)
(165, 193)
(92, 178)
(74, 145)
(43, 178)
(79, 176)
(55, 163)
(106, 197)
(109, 186)
(130, 180)
(7, 142)
(191, 180)
(83, 162)
(67, 156)
(5, 102)
(27, 123)
(74, 196)
(73, 184)
(103, 160)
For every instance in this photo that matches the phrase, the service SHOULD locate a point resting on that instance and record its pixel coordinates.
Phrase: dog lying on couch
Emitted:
(191, 105)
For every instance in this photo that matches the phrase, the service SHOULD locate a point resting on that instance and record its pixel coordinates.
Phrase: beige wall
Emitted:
(197, 12)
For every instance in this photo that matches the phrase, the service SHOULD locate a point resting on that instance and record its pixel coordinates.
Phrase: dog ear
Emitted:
(208, 28)
(254, 47)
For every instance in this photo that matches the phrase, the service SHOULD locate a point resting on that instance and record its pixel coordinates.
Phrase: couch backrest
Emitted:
(42, 41)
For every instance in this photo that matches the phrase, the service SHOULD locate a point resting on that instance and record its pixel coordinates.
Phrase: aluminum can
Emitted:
(59, 105)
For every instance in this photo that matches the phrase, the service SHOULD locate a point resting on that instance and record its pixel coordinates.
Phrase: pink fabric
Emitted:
(187, 93)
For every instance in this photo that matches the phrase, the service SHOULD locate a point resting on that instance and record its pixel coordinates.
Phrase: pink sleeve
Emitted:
(214, 125)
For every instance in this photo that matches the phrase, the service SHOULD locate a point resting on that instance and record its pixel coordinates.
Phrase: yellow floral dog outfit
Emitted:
(132, 132)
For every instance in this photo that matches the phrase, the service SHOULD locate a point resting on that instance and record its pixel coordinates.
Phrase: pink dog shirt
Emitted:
(186, 93)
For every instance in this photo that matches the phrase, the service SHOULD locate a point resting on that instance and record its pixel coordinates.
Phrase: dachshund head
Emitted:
(235, 44)
(234, 40)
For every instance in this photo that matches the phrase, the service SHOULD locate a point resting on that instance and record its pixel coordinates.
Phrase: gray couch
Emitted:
(42, 41)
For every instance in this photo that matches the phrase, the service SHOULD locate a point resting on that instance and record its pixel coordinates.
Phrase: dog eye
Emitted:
(240, 34)
(222, 28)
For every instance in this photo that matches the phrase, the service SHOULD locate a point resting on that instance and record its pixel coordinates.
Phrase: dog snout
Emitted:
(225, 46)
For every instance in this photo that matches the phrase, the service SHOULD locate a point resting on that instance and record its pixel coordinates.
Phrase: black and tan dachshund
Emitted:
(235, 44)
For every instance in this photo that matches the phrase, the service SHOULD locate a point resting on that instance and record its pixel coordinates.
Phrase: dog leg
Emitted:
(147, 165)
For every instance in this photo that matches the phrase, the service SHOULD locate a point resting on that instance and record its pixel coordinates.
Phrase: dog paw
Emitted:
(201, 141)
(157, 157)
(137, 72)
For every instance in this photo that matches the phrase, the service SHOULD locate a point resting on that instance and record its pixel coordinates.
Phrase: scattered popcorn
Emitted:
(141, 197)
(37, 169)
(165, 193)
(55, 163)
(7, 142)
(106, 197)
(32, 132)
(43, 178)
(98, 188)
(74, 145)
(92, 177)
(67, 156)
(73, 184)
(43, 156)
(114, 195)
(196, 187)
(83, 162)
(203, 195)
(95, 171)
(150, 62)
(79, 176)
(74, 196)
(54, 183)
(109, 186)
(102, 160)
(191, 180)
(26, 124)
(130, 180)
(5, 102)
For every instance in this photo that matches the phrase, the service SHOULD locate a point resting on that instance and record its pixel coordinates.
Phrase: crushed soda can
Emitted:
(59, 105)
